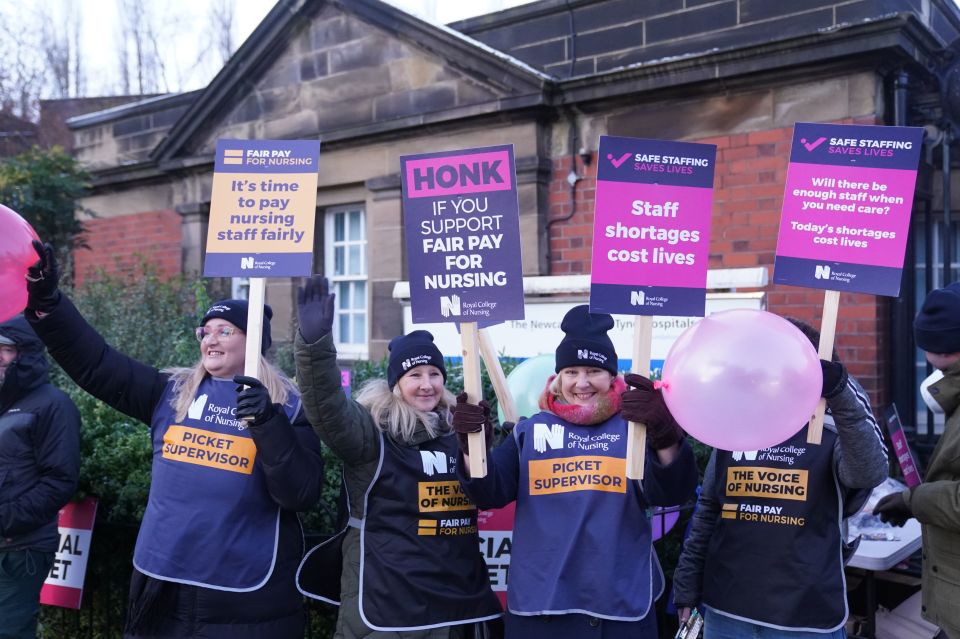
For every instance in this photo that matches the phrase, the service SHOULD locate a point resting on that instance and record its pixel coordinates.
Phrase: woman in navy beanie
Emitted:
(582, 563)
(408, 563)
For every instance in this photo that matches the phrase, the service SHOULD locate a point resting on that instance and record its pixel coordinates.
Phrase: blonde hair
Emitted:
(186, 382)
(398, 419)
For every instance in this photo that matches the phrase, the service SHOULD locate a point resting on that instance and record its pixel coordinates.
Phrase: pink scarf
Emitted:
(606, 406)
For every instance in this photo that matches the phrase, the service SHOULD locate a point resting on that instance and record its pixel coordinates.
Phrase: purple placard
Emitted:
(651, 228)
(462, 224)
(345, 378)
(267, 156)
(846, 207)
(904, 457)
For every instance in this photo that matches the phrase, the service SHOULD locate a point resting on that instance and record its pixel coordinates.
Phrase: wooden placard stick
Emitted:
(828, 332)
(251, 359)
(637, 433)
(476, 442)
(492, 361)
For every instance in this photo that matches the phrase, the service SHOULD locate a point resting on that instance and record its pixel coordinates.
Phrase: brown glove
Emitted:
(642, 403)
(471, 418)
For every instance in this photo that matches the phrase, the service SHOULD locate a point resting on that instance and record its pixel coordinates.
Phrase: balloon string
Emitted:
(659, 384)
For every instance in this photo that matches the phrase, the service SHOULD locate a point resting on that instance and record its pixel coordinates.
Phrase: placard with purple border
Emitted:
(846, 207)
(908, 465)
(462, 223)
(263, 208)
(651, 227)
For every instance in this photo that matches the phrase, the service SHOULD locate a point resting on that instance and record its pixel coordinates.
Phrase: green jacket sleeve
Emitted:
(936, 503)
(342, 424)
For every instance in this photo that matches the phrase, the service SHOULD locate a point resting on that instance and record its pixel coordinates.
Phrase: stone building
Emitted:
(374, 83)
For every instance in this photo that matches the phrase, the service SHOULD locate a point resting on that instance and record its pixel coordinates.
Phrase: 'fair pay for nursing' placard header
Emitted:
(263, 208)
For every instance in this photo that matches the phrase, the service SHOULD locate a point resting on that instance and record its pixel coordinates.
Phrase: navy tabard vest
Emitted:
(209, 520)
(581, 537)
(774, 557)
(420, 561)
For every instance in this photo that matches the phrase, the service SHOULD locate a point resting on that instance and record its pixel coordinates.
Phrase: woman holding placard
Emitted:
(408, 560)
(764, 556)
(220, 540)
(582, 562)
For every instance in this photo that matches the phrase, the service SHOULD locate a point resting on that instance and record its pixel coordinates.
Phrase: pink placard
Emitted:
(846, 214)
(457, 174)
(651, 234)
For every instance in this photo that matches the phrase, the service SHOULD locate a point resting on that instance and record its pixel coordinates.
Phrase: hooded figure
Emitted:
(39, 466)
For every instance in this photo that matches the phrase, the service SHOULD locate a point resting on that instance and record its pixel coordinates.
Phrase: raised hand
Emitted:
(315, 308)
(43, 278)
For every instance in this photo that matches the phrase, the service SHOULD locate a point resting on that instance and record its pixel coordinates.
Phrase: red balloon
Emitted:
(16, 255)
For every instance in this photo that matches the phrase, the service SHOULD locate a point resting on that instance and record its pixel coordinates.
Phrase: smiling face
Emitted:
(8, 355)
(422, 387)
(584, 385)
(223, 349)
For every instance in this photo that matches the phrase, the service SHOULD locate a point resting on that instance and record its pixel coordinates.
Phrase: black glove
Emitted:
(834, 378)
(253, 403)
(315, 308)
(893, 509)
(471, 418)
(644, 404)
(42, 279)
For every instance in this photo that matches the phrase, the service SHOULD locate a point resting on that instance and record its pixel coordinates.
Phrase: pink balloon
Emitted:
(16, 254)
(742, 380)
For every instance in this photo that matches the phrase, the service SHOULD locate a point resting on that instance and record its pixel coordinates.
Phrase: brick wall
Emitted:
(748, 193)
(117, 245)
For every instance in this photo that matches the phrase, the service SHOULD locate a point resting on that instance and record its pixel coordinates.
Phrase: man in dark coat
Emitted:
(39, 466)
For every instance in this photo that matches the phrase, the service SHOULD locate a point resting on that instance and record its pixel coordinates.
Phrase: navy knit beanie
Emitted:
(586, 342)
(937, 327)
(408, 351)
(235, 312)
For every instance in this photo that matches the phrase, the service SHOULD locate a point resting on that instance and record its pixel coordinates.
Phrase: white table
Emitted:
(873, 556)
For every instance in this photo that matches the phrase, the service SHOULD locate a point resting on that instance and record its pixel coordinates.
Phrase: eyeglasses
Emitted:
(222, 333)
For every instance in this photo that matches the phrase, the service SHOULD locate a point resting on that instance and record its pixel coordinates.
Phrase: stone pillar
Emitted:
(386, 264)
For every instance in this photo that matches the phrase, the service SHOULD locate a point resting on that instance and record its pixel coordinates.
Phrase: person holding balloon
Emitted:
(220, 540)
(765, 552)
(934, 503)
(582, 562)
(408, 561)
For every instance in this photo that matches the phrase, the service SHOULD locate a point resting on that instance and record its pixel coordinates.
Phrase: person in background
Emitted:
(39, 467)
(410, 556)
(582, 563)
(936, 502)
(764, 556)
(220, 541)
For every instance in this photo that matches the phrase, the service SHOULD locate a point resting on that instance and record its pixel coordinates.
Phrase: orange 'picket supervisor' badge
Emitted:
(205, 448)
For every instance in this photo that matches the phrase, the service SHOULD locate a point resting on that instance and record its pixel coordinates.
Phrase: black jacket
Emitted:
(289, 454)
(39, 446)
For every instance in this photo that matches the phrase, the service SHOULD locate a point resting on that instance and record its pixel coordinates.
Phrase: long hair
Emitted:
(398, 419)
(186, 381)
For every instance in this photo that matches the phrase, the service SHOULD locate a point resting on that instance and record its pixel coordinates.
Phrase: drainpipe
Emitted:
(947, 234)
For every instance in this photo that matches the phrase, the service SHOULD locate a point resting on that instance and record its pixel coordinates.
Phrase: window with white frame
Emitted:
(345, 257)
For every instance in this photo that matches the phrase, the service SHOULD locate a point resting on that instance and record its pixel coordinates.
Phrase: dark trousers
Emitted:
(577, 626)
(22, 573)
